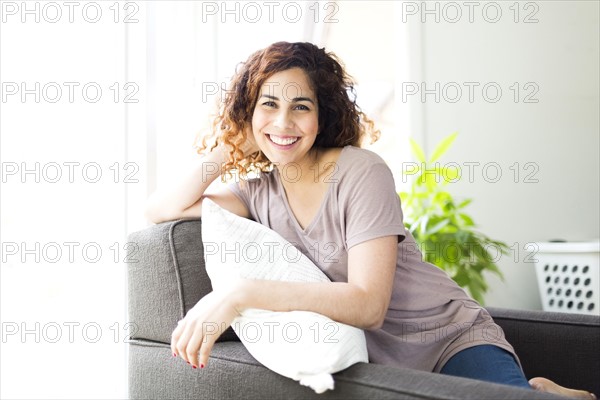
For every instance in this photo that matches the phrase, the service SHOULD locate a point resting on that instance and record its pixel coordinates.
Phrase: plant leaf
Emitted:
(442, 147)
(417, 150)
(465, 203)
(437, 227)
(467, 220)
(450, 174)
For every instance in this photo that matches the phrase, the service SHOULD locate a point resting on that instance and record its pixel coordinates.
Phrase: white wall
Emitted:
(558, 134)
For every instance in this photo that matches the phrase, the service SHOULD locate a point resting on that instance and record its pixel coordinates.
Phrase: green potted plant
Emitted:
(445, 233)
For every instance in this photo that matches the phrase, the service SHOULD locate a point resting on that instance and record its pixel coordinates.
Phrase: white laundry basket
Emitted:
(569, 276)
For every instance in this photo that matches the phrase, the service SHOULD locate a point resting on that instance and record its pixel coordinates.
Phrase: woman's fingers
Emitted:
(206, 348)
(180, 339)
(185, 343)
(195, 335)
(175, 337)
(189, 338)
(193, 346)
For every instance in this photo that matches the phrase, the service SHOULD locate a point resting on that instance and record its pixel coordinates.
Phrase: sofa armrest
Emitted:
(166, 277)
(558, 346)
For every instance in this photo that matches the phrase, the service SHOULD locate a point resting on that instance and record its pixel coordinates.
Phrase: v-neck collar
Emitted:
(320, 211)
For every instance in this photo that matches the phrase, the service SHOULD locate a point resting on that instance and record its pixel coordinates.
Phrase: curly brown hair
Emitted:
(341, 121)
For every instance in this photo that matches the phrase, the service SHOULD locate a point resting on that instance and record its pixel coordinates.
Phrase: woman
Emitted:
(289, 116)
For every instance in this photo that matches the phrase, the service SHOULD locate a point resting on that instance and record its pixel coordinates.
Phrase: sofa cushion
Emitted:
(233, 373)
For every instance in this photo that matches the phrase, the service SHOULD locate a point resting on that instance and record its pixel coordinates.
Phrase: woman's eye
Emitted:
(269, 104)
(302, 107)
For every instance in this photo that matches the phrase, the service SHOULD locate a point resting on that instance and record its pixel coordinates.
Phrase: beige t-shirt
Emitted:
(430, 318)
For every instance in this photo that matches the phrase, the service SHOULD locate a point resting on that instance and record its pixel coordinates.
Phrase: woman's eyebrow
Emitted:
(294, 100)
(297, 99)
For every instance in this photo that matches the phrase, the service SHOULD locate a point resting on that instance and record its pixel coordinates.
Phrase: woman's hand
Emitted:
(202, 326)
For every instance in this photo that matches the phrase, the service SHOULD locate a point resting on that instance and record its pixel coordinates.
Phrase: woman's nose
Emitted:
(283, 119)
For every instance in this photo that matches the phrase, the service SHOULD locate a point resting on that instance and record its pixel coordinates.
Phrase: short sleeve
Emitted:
(235, 188)
(371, 205)
(254, 193)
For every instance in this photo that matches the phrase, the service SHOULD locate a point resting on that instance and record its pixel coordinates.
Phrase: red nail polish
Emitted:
(187, 362)
(174, 354)
(201, 365)
(193, 366)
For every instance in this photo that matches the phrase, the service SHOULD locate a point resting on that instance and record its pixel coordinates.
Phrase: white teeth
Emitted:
(283, 141)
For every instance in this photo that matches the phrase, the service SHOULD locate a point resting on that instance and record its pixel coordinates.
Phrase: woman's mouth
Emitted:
(283, 141)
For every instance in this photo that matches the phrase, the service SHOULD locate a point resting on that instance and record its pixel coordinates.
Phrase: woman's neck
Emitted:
(316, 169)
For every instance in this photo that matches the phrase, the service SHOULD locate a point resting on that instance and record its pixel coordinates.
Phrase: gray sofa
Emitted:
(166, 277)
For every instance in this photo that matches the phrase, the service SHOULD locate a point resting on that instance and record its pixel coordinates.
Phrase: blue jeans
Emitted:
(486, 363)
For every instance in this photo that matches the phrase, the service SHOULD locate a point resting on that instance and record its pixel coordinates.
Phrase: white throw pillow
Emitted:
(301, 345)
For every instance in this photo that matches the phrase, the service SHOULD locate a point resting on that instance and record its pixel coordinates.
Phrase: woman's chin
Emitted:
(280, 158)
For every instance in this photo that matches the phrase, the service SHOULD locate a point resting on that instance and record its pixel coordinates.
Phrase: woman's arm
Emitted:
(184, 198)
(362, 301)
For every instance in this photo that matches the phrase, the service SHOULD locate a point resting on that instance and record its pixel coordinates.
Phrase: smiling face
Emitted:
(285, 122)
